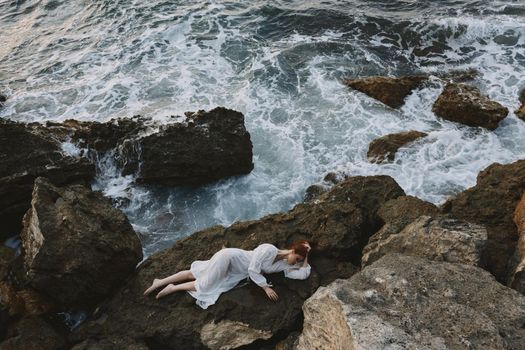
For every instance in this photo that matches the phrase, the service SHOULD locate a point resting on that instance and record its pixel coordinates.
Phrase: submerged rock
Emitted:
(404, 302)
(491, 203)
(521, 111)
(3, 98)
(24, 155)
(465, 104)
(340, 222)
(436, 239)
(516, 277)
(384, 148)
(77, 247)
(389, 90)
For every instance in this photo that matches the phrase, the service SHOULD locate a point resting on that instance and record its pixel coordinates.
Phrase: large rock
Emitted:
(516, 277)
(384, 148)
(436, 239)
(24, 155)
(465, 104)
(404, 302)
(521, 111)
(389, 90)
(77, 247)
(33, 333)
(491, 203)
(340, 222)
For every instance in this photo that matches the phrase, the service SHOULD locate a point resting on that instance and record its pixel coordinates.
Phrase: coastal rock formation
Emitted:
(314, 191)
(516, 278)
(3, 98)
(389, 90)
(404, 302)
(384, 148)
(77, 247)
(340, 222)
(24, 155)
(465, 104)
(33, 333)
(440, 239)
(521, 111)
(491, 203)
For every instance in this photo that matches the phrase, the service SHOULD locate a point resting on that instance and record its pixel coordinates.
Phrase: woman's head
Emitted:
(299, 251)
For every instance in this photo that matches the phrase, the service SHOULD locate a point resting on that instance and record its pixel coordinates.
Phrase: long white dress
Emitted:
(229, 266)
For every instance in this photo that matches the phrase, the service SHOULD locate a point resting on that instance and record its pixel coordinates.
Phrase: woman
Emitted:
(227, 267)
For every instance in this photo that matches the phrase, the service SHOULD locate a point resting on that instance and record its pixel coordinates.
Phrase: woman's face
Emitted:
(294, 258)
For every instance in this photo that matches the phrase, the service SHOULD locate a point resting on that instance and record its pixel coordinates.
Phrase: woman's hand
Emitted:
(308, 247)
(271, 293)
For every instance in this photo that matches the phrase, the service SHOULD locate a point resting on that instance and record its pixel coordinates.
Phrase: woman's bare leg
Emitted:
(172, 288)
(175, 278)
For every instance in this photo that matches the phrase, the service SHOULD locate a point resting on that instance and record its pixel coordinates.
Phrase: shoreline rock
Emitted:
(384, 148)
(520, 112)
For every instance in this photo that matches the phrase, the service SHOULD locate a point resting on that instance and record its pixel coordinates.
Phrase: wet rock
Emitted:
(24, 155)
(340, 222)
(440, 239)
(314, 191)
(521, 111)
(389, 90)
(516, 278)
(491, 203)
(23, 302)
(384, 148)
(406, 302)
(33, 333)
(465, 104)
(77, 247)
(3, 98)
(7, 255)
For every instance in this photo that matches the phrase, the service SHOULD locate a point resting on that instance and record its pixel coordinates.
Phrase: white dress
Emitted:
(229, 266)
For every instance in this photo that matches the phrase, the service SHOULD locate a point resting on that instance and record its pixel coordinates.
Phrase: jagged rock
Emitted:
(384, 148)
(77, 247)
(24, 155)
(491, 203)
(33, 333)
(516, 277)
(7, 255)
(465, 104)
(23, 302)
(521, 111)
(440, 239)
(391, 91)
(340, 222)
(404, 302)
(316, 190)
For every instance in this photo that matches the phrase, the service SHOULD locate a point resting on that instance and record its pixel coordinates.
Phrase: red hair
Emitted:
(299, 247)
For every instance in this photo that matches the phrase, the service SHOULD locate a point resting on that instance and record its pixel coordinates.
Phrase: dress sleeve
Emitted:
(261, 253)
(301, 273)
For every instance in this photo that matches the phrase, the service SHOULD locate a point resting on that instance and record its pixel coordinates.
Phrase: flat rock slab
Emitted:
(465, 104)
(404, 302)
(77, 246)
(384, 148)
(389, 90)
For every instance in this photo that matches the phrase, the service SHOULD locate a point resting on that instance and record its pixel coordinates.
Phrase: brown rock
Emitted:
(7, 255)
(33, 333)
(384, 148)
(391, 91)
(340, 223)
(521, 111)
(491, 203)
(465, 104)
(77, 247)
(440, 239)
(23, 302)
(516, 277)
(404, 302)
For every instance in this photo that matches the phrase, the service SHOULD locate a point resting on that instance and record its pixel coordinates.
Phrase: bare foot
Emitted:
(170, 288)
(156, 284)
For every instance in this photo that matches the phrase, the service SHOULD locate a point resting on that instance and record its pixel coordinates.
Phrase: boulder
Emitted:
(384, 148)
(7, 255)
(439, 239)
(491, 203)
(389, 90)
(405, 302)
(521, 111)
(465, 104)
(316, 190)
(33, 333)
(24, 155)
(77, 247)
(23, 302)
(340, 222)
(516, 278)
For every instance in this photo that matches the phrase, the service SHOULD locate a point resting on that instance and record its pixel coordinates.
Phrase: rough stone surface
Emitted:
(23, 302)
(24, 155)
(225, 335)
(491, 203)
(516, 277)
(521, 111)
(404, 302)
(440, 239)
(33, 333)
(384, 148)
(391, 91)
(339, 223)
(314, 191)
(465, 104)
(77, 247)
